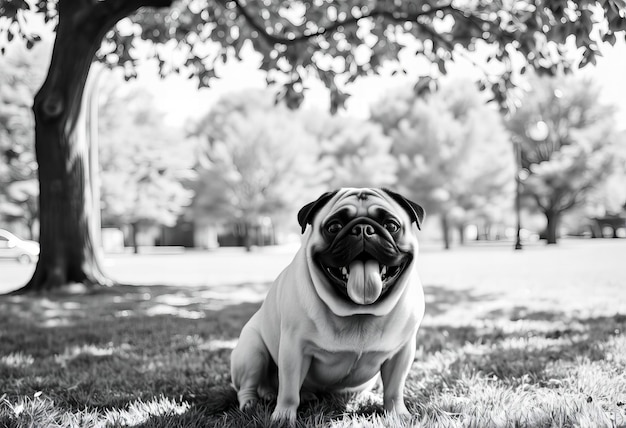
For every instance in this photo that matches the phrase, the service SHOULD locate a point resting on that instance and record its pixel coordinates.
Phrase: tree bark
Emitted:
(68, 251)
(552, 225)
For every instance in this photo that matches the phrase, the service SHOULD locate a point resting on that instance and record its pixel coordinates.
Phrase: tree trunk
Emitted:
(68, 254)
(461, 234)
(30, 224)
(480, 233)
(135, 231)
(445, 229)
(552, 225)
(247, 235)
(595, 232)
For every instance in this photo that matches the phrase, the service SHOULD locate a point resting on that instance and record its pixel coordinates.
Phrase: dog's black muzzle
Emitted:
(361, 238)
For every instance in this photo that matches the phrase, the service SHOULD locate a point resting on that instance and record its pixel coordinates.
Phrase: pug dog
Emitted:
(346, 309)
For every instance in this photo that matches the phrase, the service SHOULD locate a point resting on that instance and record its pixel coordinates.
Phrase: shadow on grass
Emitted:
(114, 346)
(107, 350)
(441, 299)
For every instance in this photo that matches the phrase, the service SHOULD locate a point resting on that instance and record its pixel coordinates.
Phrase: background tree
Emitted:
(20, 76)
(255, 159)
(609, 199)
(453, 152)
(566, 138)
(294, 40)
(352, 152)
(144, 163)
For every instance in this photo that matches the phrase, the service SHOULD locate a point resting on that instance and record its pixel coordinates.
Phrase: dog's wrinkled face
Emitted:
(361, 248)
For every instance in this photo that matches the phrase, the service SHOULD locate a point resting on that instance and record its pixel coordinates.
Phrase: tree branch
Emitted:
(574, 199)
(352, 20)
(118, 9)
(540, 203)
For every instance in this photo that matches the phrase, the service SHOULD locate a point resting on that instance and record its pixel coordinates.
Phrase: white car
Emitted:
(12, 247)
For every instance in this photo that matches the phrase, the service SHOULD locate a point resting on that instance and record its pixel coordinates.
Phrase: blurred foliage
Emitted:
(339, 41)
(258, 159)
(351, 152)
(610, 196)
(254, 160)
(568, 142)
(143, 161)
(453, 152)
(20, 76)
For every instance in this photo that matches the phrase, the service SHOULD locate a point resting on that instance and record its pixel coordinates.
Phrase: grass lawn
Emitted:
(527, 339)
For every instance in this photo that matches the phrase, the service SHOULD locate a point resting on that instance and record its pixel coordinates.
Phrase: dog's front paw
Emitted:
(397, 407)
(284, 417)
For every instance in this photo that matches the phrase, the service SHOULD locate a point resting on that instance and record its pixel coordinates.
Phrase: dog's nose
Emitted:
(363, 229)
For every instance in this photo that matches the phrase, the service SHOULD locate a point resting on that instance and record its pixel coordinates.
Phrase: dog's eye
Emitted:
(391, 226)
(334, 227)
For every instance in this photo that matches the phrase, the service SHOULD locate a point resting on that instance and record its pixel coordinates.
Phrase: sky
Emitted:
(181, 99)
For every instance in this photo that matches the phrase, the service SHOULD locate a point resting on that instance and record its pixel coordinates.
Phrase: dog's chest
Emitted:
(343, 369)
(349, 356)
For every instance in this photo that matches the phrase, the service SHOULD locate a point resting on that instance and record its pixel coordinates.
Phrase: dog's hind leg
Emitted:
(248, 366)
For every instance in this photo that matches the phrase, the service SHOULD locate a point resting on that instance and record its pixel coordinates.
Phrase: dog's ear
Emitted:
(415, 211)
(307, 212)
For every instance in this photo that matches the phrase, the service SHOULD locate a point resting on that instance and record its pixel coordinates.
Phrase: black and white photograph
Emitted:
(312, 213)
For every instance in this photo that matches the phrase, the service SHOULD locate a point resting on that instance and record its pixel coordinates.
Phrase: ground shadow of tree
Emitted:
(110, 348)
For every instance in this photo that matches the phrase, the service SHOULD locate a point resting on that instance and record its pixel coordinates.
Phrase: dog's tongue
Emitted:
(364, 282)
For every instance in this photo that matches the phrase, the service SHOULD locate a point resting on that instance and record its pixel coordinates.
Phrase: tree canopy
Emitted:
(338, 42)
